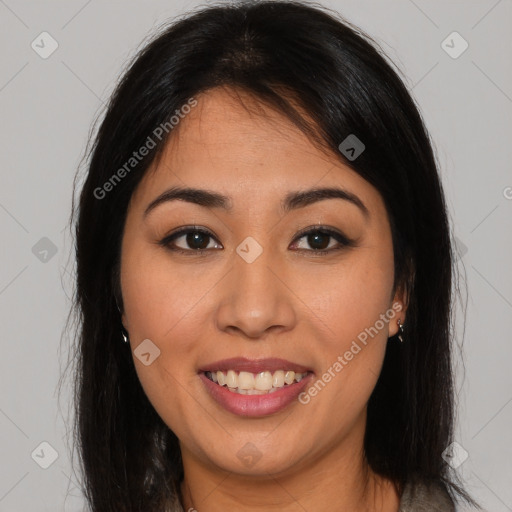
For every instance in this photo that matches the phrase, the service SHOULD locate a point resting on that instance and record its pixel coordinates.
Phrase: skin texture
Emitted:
(289, 303)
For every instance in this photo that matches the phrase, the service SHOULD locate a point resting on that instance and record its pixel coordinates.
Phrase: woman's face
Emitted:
(259, 292)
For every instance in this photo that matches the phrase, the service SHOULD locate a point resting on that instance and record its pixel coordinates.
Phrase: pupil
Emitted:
(193, 238)
(316, 239)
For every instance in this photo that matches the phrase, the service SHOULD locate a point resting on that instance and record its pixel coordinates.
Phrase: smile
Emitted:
(247, 383)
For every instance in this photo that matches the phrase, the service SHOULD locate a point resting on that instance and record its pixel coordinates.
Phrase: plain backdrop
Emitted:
(47, 108)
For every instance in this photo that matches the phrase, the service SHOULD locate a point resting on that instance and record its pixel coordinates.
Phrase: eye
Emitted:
(197, 241)
(320, 239)
(193, 240)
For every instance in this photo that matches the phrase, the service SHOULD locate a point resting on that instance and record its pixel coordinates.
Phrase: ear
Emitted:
(399, 307)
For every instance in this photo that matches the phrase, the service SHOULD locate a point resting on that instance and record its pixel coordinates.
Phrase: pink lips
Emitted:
(255, 405)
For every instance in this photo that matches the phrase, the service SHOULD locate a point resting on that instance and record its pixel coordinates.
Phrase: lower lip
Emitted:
(255, 405)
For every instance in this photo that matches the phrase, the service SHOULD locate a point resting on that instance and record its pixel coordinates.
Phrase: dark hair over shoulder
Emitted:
(299, 58)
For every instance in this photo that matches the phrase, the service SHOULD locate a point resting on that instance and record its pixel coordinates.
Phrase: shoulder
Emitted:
(425, 497)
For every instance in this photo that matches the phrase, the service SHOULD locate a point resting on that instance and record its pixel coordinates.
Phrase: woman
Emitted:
(264, 277)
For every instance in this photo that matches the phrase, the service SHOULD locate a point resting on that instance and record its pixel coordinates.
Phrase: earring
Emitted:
(400, 331)
(124, 334)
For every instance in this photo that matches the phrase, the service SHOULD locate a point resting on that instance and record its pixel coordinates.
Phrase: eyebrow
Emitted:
(292, 201)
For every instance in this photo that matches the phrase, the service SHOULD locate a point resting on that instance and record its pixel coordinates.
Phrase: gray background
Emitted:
(47, 109)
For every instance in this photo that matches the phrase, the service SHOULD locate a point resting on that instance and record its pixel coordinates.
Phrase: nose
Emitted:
(255, 298)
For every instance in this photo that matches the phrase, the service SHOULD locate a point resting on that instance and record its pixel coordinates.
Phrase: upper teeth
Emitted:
(243, 382)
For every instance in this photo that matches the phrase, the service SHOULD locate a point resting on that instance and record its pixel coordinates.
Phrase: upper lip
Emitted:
(243, 364)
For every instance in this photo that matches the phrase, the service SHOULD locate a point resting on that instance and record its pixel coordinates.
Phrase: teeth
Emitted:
(231, 381)
(246, 383)
(278, 379)
(245, 380)
(263, 381)
(289, 377)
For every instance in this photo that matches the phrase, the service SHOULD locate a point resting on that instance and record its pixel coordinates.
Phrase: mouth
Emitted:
(247, 383)
(254, 388)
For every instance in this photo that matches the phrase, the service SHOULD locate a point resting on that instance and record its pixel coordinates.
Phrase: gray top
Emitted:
(425, 498)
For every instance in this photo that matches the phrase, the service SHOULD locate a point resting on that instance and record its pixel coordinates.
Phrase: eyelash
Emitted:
(344, 241)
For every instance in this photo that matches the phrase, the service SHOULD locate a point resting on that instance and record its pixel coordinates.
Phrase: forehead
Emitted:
(230, 128)
(234, 143)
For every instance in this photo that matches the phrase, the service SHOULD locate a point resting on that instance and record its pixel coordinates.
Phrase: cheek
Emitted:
(155, 305)
(157, 295)
(349, 304)
(159, 307)
(349, 298)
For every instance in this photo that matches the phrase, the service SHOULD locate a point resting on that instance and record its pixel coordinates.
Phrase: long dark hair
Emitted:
(299, 58)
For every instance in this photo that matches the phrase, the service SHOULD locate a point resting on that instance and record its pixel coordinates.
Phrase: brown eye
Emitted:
(319, 240)
(189, 240)
(196, 241)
